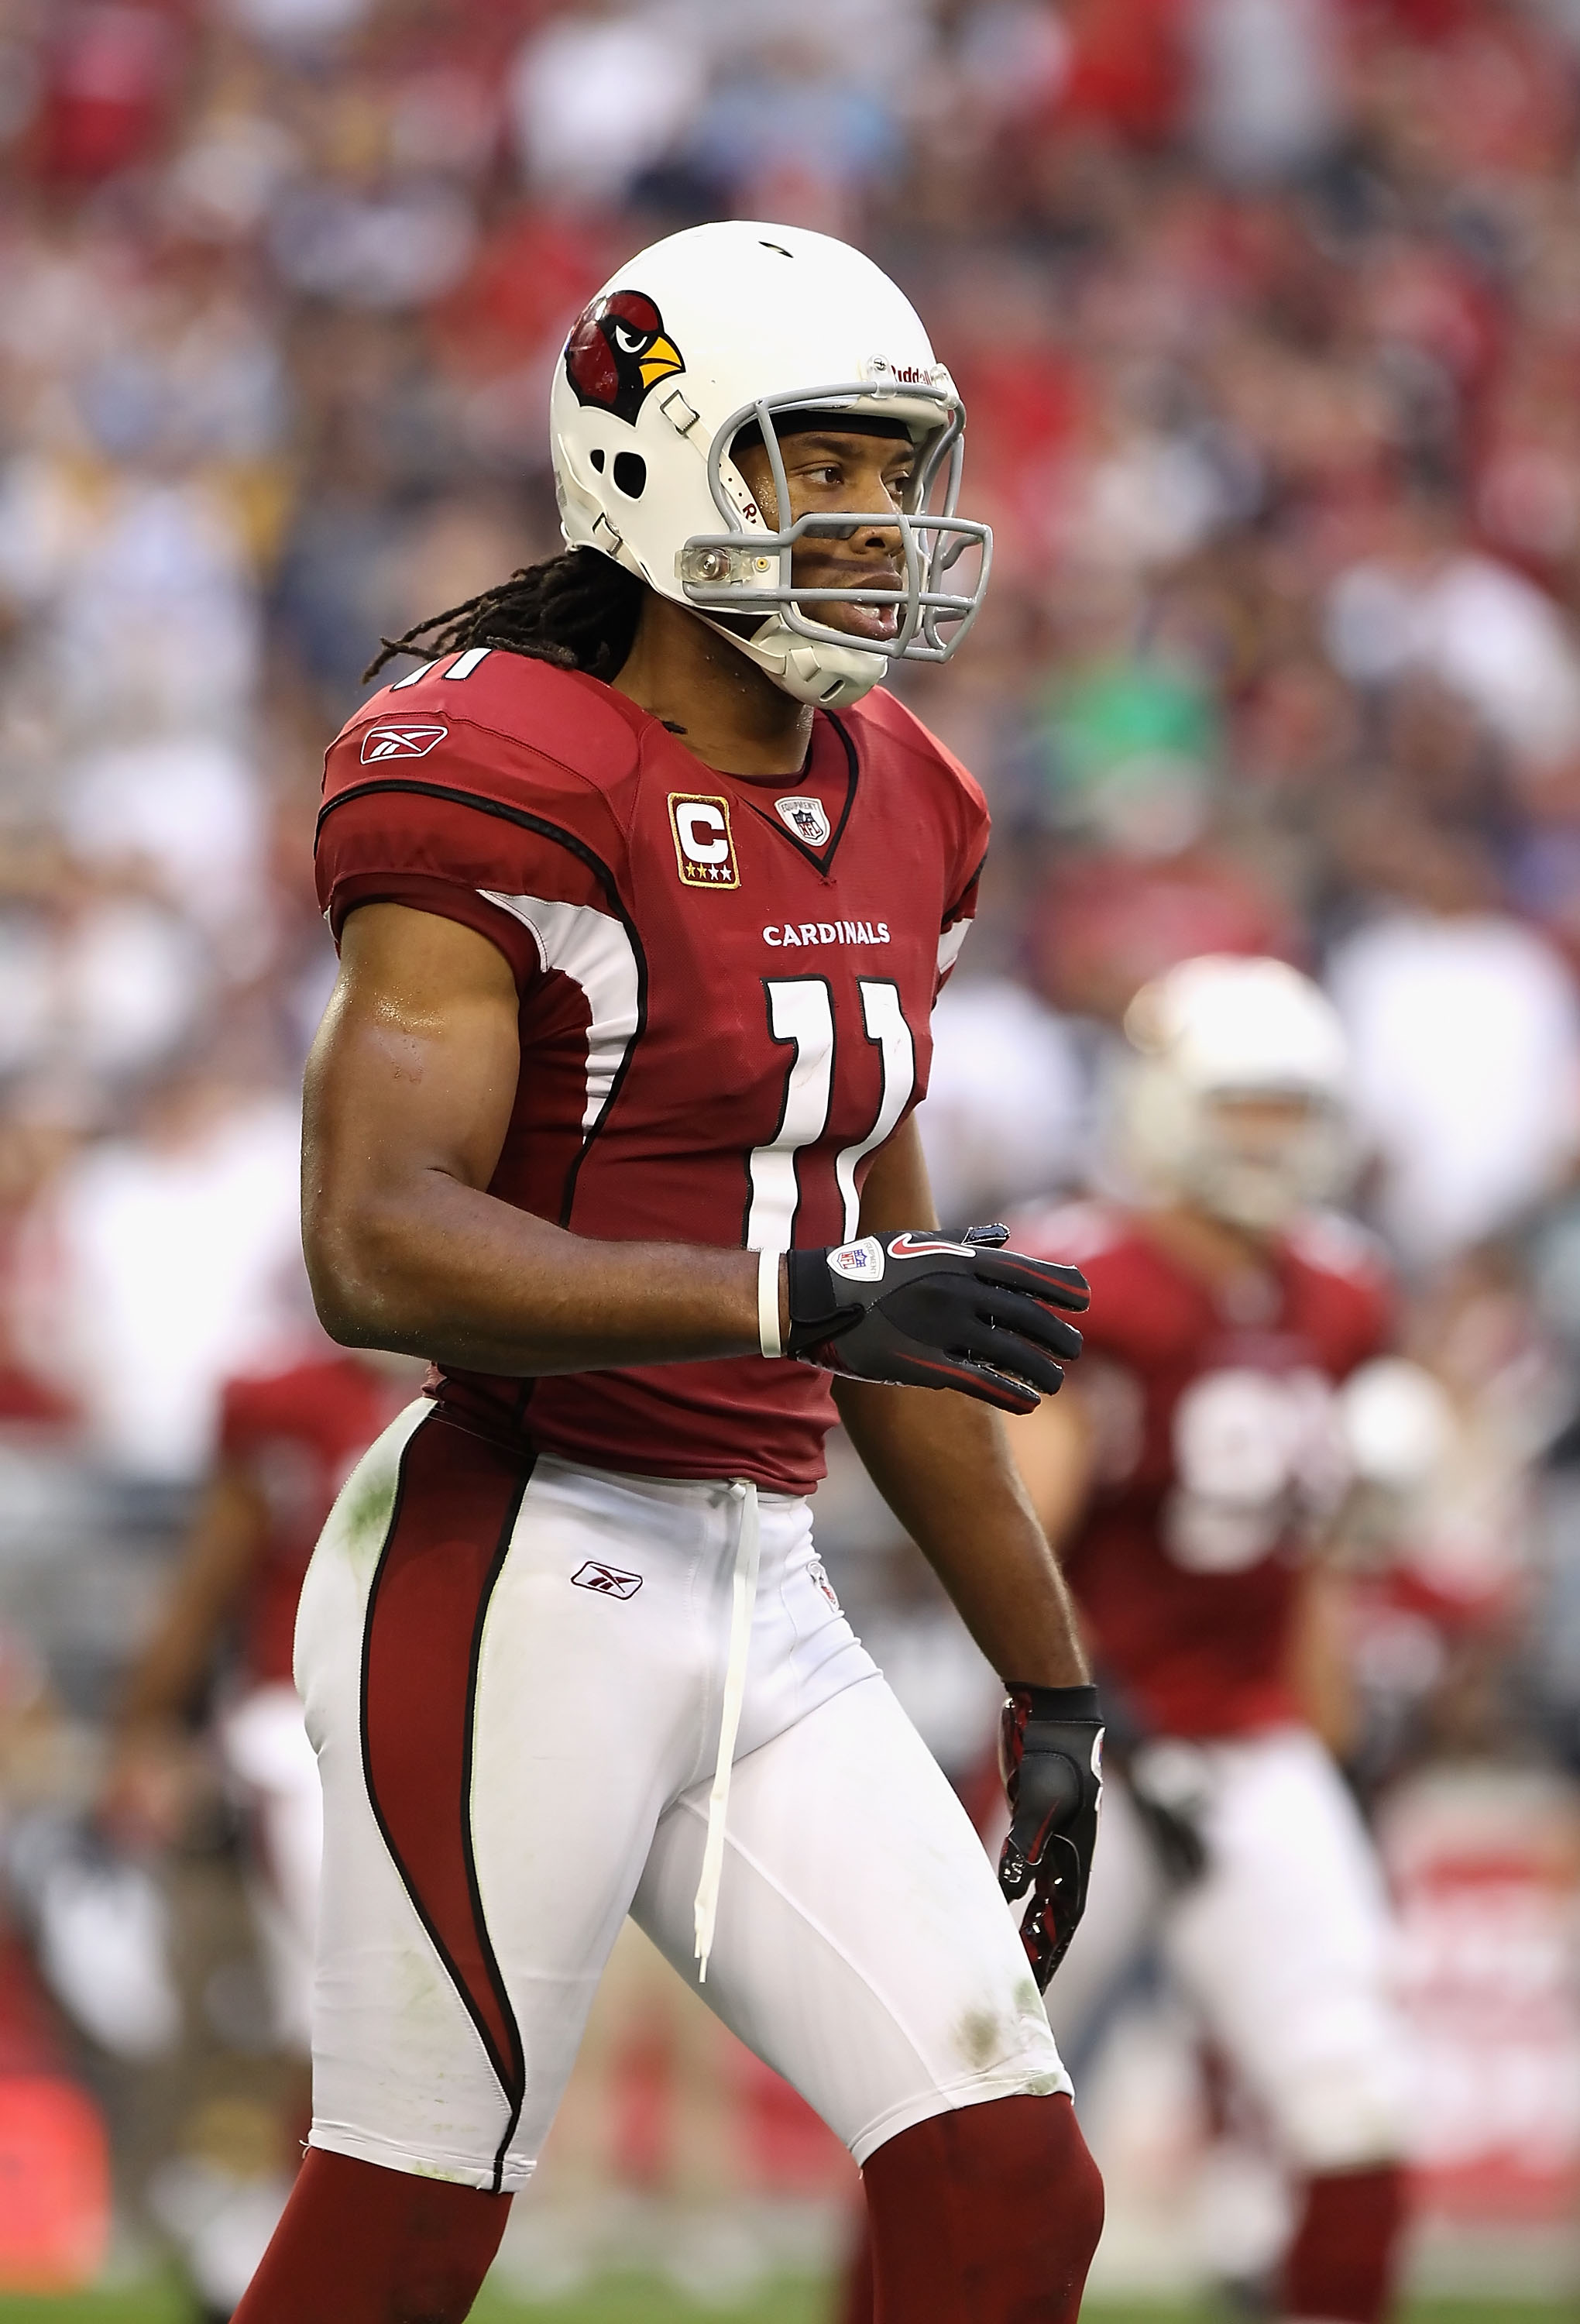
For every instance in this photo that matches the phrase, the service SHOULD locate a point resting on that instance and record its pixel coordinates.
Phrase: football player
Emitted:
(1187, 1486)
(644, 889)
(286, 1440)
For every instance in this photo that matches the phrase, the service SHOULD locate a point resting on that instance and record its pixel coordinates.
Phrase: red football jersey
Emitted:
(1215, 1454)
(296, 1434)
(726, 985)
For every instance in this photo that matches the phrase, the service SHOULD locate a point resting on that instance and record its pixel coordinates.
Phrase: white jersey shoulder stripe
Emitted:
(595, 951)
(950, 943)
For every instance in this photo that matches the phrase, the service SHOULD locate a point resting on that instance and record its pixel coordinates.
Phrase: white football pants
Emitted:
(1283, 1947)
(515, 1691)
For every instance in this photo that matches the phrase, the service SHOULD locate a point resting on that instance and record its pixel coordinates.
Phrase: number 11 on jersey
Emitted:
(801, 1017)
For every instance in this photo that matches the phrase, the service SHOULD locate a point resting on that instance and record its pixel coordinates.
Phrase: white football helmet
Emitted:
(1221, 1028)
(695, 339)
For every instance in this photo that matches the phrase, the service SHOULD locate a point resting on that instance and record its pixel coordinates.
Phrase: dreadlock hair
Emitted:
(578, 610)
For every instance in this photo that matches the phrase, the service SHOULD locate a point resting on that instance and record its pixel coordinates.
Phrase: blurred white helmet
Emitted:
(705, 334)
(1221, 1029)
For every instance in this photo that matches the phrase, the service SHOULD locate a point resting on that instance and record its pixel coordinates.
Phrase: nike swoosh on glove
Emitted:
(921, 1310)
(1051, 1756)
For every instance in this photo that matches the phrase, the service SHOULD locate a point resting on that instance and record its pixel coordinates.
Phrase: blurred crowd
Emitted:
(1267, 316)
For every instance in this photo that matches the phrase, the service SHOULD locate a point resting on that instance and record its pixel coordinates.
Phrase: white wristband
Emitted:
(769, 1304)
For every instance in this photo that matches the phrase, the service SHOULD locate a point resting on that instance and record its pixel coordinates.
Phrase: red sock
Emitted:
(987, 2216)
(360, 2245)
(1340, 2267)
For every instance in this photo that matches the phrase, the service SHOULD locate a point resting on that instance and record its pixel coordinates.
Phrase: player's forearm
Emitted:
(942, 1464)
(228, 1537)
(1054, 1449)
(436, 1268)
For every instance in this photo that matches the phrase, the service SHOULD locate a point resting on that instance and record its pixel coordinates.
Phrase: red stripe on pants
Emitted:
(457, 1507)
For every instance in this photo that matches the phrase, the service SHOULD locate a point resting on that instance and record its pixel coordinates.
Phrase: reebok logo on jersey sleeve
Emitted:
(705, 849)
(405, 741)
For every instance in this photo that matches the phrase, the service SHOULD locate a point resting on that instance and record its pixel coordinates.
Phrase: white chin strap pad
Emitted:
(829, 676)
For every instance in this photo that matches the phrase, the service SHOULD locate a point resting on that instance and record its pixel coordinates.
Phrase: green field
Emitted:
(636, 2300)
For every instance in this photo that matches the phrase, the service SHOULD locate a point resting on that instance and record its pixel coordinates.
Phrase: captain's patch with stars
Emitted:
(704, 846)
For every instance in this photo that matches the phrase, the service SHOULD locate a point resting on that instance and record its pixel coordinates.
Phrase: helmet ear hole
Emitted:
(630, 474)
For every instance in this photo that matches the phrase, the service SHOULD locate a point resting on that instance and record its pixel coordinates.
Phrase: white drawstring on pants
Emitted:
(743, 1603)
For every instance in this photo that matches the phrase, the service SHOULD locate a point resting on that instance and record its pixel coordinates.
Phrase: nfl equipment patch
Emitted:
(861, 1262)
(805, 818)
(704, 850)
(405, 741)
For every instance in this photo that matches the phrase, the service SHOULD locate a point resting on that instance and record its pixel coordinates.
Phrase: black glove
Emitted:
(1051, 1756)
(920, 1311)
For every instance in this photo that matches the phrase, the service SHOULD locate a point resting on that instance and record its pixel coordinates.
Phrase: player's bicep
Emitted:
(415, 1066)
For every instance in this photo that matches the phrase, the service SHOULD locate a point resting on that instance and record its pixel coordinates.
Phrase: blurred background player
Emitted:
(215, 1676)
(221, 1647)
(1188, 1487)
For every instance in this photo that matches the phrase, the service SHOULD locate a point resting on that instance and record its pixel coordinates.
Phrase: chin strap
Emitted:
(829, 676)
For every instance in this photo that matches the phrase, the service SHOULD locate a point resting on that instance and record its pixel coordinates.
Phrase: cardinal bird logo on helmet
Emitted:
(619, 352)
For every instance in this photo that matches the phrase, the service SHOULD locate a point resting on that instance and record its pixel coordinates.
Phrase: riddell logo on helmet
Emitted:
(879, 368)
(619, 352)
